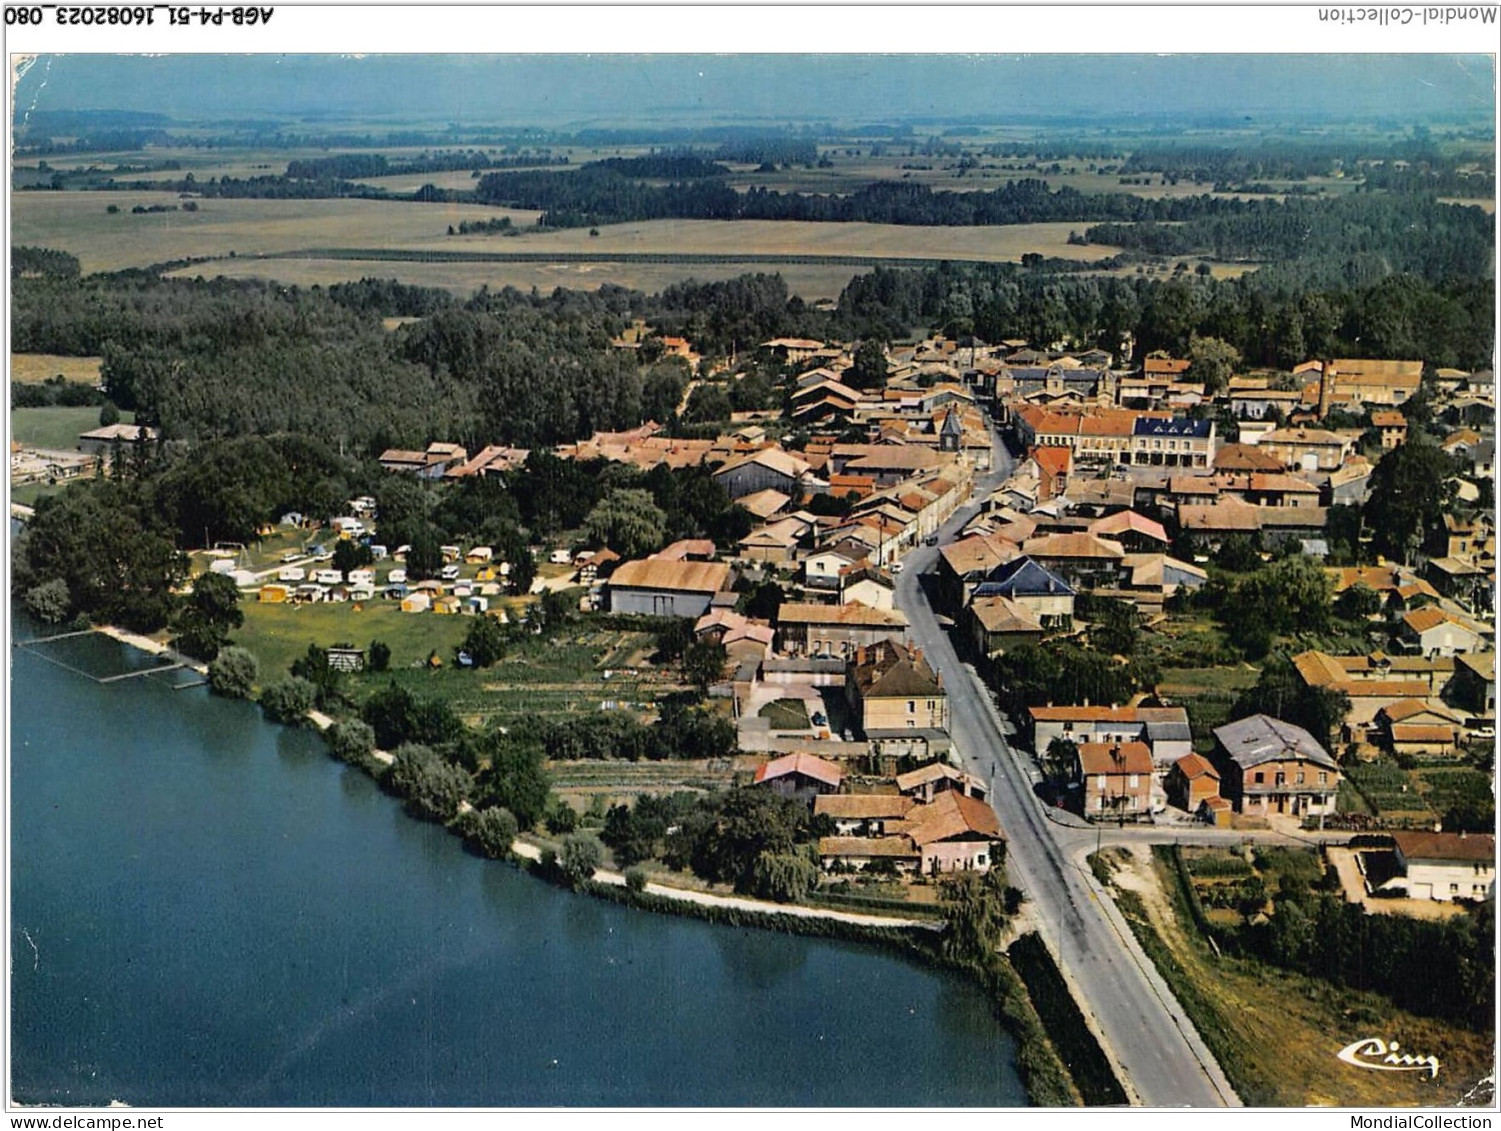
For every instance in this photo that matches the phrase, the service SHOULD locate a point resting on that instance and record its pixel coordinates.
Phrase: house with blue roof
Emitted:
(1033, 588)
(1180, 442)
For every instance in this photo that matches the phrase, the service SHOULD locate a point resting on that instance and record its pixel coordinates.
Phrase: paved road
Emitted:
(1158, 1055)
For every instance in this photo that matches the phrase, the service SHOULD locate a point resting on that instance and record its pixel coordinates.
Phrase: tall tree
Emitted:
(629, 522)
(1409, 494)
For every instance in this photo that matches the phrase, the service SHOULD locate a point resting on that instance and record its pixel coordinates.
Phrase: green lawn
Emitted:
(548, 677)
(786, 714)
(56, 428)
(280, 633)
(28, 493)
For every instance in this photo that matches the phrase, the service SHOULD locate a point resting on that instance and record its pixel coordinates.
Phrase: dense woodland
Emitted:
(229, 358)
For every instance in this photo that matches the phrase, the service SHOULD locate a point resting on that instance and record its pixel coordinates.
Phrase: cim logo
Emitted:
(1373, 1052)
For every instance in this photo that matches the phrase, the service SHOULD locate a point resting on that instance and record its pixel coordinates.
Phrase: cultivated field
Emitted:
(463, 279)
(76, 222)
(34, 368)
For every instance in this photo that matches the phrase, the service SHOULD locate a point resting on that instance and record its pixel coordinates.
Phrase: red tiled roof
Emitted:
(1101, 758)
(1195, 766)
(809, 765)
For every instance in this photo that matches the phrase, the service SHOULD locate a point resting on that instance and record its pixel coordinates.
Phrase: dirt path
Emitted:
(739, 903)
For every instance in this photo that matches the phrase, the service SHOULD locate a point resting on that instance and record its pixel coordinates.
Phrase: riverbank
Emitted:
(150, 646)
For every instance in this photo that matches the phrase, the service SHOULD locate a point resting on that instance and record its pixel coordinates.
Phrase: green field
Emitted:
(281, 633)
(562, 676)
(56, 429)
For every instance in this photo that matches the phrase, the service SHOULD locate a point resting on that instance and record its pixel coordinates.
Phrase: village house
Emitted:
(863, 814)
(1444, 866)
(1135, 533)
(1246, 458)
(768, 469)
(1359, 381)
(1191, 781)
(775, 543)
(744, 639)
(867, 583)
(1045, 596)
(102, 441)
(666, 588)
(952, 833)
(1179, 442)
(1392, 426)
(1050, 467)
(800, 776)
(1474, 686)
(962, 565)
(1308, 449)
(1270, 766)
(1369, 688)
(929, 781)
(434, 462)
(1412, 728)
(999, 624)
(1085, 561)
(956, 833)
(1114, 779)
(836, 630)
(892, 687)
(822, 568)
(1164, 730)
(1430, 631)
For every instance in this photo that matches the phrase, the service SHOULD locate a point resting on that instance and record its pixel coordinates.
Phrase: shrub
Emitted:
(786, 877)
(288, 700)
(350, 740)
(635, 880)
(50, 601)
(233, 673)
(562, 819)
(492, 831)
(432, 787)
(580, 858)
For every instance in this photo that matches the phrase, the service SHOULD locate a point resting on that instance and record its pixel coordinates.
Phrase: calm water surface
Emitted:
(208, 910)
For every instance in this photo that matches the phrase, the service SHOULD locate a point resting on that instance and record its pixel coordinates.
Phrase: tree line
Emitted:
(1408, 233)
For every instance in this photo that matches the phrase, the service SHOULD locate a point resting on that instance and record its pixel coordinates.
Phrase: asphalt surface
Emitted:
(1158, 1056)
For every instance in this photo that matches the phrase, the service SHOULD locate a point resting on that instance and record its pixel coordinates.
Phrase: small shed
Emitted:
(346, 659)
(1216, 811)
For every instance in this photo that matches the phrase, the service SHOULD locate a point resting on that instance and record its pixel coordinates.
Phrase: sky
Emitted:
(578, 90)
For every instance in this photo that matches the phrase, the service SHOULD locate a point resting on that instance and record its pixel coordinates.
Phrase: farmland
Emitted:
(34, 368)
(232, 233)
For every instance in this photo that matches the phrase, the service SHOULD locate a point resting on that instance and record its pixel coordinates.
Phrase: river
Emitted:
(207, 910)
